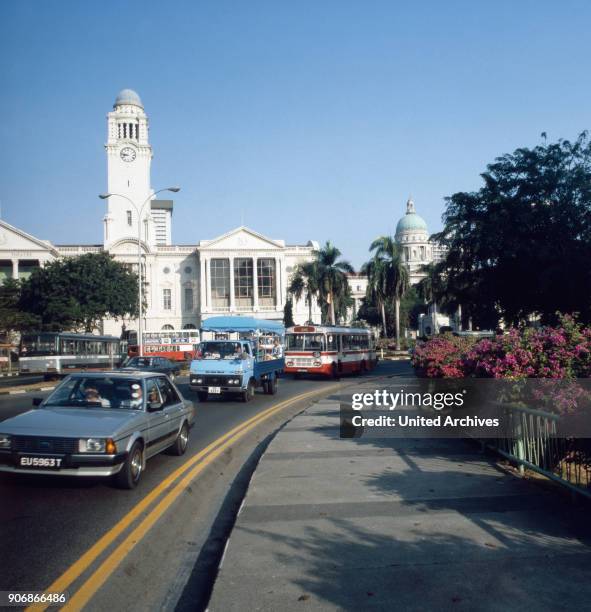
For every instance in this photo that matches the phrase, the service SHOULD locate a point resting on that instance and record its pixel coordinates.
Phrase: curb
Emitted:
(22, 391)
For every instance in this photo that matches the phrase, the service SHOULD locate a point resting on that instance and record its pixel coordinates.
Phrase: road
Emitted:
(47, 525)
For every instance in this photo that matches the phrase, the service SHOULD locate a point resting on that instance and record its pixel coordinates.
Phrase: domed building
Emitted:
(418, 249)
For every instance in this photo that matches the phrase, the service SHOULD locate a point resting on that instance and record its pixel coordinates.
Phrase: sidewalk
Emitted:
(397, 524)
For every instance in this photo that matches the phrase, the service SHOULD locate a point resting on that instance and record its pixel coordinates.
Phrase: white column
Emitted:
(232, 298)
(208, 284)
(203, 304)
(278, 284)
(255, 284)
(15, 268)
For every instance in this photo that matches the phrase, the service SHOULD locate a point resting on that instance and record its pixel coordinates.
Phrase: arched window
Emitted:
(167, 327)
(189, 326)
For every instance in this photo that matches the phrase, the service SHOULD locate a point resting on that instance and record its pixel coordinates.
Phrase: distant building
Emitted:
(418, 249)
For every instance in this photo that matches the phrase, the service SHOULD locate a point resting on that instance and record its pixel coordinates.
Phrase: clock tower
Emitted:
(129, 156)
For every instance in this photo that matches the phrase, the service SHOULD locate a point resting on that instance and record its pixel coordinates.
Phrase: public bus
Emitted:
(329, 350)
(176, 345)
(55, 354)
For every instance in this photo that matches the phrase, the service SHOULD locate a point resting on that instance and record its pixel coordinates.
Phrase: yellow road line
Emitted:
(208, 454)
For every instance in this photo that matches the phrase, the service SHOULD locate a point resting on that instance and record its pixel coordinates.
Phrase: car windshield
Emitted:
(305, 342)
(220, 350)
(98, 392)
(138, 362)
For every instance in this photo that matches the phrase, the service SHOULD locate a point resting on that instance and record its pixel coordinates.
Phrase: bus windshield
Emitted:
(34, 345)
(306, 342)
(220, 350)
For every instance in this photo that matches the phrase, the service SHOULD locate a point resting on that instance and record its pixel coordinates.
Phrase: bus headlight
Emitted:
(317, 363)
(289, 363)
(5, 441)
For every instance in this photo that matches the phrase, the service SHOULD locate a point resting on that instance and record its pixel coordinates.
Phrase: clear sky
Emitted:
(309, 120)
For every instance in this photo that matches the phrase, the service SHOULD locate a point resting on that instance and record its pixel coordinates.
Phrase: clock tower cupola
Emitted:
(129, 156)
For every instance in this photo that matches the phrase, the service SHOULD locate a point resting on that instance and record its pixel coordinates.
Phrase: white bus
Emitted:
(328, 350)
(56, 353)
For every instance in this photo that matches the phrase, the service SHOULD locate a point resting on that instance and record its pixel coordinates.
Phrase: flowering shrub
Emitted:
(550, 352)
(441, 357)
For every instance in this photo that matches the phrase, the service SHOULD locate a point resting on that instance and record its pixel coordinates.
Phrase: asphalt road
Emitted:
(47, 523)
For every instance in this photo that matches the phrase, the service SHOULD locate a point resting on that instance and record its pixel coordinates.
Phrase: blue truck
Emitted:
(237, 355)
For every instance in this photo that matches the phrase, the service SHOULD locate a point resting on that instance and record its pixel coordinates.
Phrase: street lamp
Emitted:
(139, 211)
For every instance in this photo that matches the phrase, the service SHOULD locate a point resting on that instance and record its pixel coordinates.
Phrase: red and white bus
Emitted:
(328, 350)
(176, 345)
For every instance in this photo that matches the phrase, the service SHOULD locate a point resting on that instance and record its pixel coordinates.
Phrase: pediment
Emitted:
(241, 238)
(14, 239)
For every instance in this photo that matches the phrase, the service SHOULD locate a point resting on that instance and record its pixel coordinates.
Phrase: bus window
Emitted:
(332, 342)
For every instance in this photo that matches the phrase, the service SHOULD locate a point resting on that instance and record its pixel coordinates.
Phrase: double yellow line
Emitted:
(189, 470)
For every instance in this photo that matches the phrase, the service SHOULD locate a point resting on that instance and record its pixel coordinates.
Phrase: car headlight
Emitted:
(5, 441)
(97, 445)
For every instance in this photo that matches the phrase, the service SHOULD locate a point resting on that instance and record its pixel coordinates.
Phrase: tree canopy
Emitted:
(78, 292)
(521, 245)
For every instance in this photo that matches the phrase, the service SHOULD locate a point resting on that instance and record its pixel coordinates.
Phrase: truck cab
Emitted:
(236, 360)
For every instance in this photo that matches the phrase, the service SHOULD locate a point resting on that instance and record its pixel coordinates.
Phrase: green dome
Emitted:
(411, 222)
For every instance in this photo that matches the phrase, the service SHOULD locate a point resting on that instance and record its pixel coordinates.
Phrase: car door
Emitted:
(158, 419)
(173, 405)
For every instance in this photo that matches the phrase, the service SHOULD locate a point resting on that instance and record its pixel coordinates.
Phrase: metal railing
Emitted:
(533, 441)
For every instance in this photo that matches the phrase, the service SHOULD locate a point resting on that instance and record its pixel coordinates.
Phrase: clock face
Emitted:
(127, 154)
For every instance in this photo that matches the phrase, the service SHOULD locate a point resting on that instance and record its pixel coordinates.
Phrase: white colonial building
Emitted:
(241, 272)
(418, 248)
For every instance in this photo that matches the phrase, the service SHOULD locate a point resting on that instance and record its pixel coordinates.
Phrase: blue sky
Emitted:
(309, 120)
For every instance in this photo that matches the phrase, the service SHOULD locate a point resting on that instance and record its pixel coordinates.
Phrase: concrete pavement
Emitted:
(397, 524)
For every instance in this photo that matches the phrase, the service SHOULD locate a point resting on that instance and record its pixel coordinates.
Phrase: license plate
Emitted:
(302, 370)
(214, 389)
(43, 463)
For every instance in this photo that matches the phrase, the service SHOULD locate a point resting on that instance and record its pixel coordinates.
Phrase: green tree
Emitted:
(521, 244)
(333, 286)
(396, 274)
(288, 313)
(377, 288)
(12, 317)
(79, 292)
(304, 282)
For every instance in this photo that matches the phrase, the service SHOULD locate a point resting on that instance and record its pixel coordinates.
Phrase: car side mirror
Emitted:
(37, 401)
(154, 406)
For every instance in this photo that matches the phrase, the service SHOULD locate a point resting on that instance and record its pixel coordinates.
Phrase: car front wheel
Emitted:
(130, 473)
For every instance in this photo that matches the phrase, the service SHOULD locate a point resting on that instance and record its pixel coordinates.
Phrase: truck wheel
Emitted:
(248, 393)
(272, 386)
(131, 471)
(202, 396)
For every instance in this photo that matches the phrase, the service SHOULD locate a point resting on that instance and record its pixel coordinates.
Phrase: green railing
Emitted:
(533, 442)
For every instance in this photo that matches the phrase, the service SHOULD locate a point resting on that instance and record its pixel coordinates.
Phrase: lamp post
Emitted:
(139, 211)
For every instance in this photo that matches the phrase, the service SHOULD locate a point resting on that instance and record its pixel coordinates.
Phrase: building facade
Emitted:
(418, 248)
(241, 272)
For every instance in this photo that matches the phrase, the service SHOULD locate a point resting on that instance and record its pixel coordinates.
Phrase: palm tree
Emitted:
(332, 278)
(304, 282)
(396, 278)
(430, 288)
(376, 291)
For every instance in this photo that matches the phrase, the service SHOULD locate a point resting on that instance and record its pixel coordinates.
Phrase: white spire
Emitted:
(410, 206)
